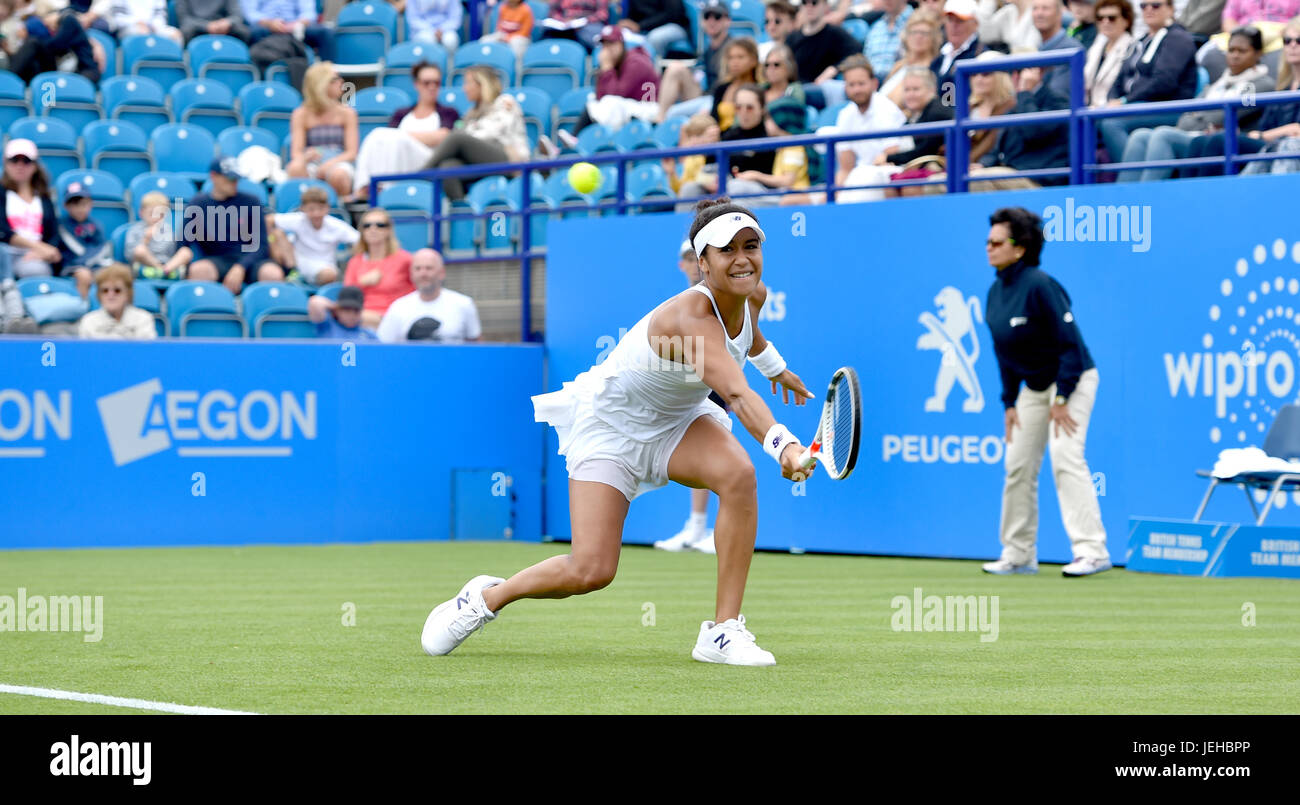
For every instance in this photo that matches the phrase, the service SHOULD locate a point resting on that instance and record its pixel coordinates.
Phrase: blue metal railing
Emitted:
(1077, 120)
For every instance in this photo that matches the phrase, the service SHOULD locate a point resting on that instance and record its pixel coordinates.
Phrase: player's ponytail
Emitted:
(708, 209)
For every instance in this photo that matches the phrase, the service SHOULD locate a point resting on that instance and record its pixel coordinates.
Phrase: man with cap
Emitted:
(819, 48)
(576, 19)
(226, 230)
(622, 71)
(82, 242)
(340, 320)
(961, 28)
(430, 312)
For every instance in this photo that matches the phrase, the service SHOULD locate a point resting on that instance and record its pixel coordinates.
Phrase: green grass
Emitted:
(260, 628)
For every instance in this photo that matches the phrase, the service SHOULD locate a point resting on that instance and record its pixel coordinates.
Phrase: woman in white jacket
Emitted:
(493, 132)
(1106, 56)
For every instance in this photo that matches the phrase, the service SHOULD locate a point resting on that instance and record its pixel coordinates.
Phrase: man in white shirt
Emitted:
(867, 111)
(430, 312)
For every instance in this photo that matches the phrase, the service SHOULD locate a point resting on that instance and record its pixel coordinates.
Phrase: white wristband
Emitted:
(769, 361)
(777, 439)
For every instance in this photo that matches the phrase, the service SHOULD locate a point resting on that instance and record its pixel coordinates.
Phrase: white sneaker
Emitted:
(1003, 567)
(1082, 566)
(729, 643)
(682, 540)
(453, 621)
(704, 544)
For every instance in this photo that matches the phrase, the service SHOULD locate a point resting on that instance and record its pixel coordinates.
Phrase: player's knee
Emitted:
(591, 576)
(738, 482)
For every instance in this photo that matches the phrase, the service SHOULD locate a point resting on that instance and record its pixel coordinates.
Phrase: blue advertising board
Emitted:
(1186, 293)
(1182, 547)
(186, 443)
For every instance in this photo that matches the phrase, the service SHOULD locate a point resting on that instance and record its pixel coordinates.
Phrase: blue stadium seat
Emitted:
(223, 59)
(119, 244)
(644, 178)
(203, 310)
(536, 106)
(486, 191)
(409, 195)
(365, 32)
(828, 115)
(491, 194)
(668, 133)
(233, 140)
(455, 98)
(595, 139)
(330, 291)
(401, 57)
(747, 19)
(554, 66)
(109, 44)
(635, 134)
(172, 185)
(13, 99)
(857, 29)
(55, 140)
(569, 106)
(206, 103)
(539, 219)
(137, 99)
(269, 105)
(182, 148)
(37, 286)
(119, 147)
(276, 310)
(66, 96)
(461, 237)
(254, 189)
(563, 196)
(107, 192)
(154, 57)
(375, 105)
(491, 54)
(287, 193)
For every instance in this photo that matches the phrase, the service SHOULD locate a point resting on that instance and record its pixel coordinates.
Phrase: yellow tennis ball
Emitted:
(585, 177)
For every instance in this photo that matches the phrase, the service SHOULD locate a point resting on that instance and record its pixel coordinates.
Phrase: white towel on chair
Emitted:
(1234, 461)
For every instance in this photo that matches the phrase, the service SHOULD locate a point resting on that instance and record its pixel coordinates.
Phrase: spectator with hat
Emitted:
(340, 320)
(29, 226)
(82, 242)
(622, 71)
(430, 312)
(225, 229)
(961, 27)
(819, 47)
(681, 91)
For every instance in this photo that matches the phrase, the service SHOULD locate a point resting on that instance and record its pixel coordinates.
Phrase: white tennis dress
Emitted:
(620, 421)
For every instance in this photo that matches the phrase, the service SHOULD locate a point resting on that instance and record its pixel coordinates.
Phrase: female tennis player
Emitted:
(641, 418)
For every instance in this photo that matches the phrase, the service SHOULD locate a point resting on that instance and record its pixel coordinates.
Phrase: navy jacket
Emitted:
(944, 81)
(1169, 76)
(1046, 145)
(1035, 336)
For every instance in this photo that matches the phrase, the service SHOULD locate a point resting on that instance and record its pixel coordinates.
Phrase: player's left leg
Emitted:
(1075, 490)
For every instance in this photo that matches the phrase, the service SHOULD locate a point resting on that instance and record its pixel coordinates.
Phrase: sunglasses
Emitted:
(773, 64)
(993, 244)
(1108, 17)
(374, 225)
(714, 16)
(1290, 40)
(1149, 6)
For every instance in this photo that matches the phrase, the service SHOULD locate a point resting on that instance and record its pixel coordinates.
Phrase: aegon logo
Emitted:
(37, 416)
(143, 420)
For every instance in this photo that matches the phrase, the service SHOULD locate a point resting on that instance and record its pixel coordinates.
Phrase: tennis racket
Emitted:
(835, 446)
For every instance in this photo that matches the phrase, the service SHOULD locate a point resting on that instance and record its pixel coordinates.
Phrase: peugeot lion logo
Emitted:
(947, 333)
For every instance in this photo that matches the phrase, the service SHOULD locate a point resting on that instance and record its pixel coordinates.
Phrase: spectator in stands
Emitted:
(1008, 25)
(921, 104)
(82, 243)
(780, 19)
(413, 132)
(921, 41)
(961, 28)
(696, 172)
(780, 76)
(1244, 76)
(430, 312)
(316, 236)
(379, 266)
(746, 165)
(436, 21)
(151, 243)
(867, 111)
(681, 90)
(1106, 56)
(39, 54)
(1276, 130)
(340, 320)
(493, 131)
(1267, 15)
(216, 17)
(1160, 67)
(1047, 21)
(116, 317)
(659, 22)
(136, 17)
(740, 58)
(623, 72)
(29, 227)
(819, 48)
(295, 18)
(1031, 147)
(576, 19)
(991, 94)
(885, 36)
(514, 27)
(225, 229)
(1084, 27)
(796, 167)
(324, 132)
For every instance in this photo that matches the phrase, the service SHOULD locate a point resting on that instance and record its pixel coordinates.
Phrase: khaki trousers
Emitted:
(1074, 488)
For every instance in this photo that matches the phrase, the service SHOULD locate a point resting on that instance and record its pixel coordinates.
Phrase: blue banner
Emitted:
(186, 443)
(1182, 547)
(1191, 312)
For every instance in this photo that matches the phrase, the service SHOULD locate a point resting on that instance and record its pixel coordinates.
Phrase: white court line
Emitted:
(118, 701)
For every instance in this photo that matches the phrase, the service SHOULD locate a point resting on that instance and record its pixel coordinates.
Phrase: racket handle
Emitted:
(806, 459)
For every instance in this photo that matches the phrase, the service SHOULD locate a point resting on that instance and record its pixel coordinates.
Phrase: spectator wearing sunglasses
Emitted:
(29, 225)
(1267, 15)
(1106, 56)
(380, 267)
(781, 18)
(116, 317)
(681, 90)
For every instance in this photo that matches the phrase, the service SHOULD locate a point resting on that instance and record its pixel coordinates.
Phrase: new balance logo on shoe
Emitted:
(722, 641)
(460, 602)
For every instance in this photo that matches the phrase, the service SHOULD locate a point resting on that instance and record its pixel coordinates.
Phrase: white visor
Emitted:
(686, 247)
(719, 232)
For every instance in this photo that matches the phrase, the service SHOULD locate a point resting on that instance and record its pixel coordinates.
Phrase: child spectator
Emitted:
(116, 316)
(82, 242)
(341, 320)
(514, 27)
(696, 169)
(151, 243)
(314, 237)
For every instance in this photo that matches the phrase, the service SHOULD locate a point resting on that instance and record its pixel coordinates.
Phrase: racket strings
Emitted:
(841, 423)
